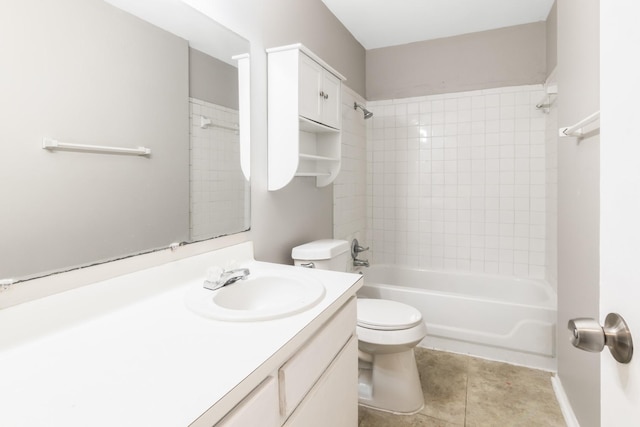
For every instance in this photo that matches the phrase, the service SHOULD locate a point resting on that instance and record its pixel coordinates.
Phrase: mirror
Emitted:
(125, 74)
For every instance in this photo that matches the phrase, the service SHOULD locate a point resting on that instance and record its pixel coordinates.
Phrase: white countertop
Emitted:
(127, 351)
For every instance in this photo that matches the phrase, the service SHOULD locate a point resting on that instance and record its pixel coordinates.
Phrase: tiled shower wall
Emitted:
(458, 182)
(349, 188)
(219, 196)
(551, 140)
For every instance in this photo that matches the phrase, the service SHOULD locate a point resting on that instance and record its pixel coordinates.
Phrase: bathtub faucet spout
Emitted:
(361, 263)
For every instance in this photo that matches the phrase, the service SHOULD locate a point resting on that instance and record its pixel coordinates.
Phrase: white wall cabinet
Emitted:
(316, 386)
(305, 117)
(319, 92)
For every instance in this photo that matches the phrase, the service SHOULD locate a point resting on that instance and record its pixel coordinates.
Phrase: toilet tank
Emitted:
(326, 254)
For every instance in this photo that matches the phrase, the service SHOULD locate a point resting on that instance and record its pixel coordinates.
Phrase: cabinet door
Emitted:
(300, 372)
(331, 111)
(310, 88)
(333, 401)
(259, 408)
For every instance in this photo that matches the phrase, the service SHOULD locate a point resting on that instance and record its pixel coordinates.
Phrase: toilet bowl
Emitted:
(387, 331)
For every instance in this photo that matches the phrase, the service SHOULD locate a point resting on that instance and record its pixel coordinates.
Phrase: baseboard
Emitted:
(563, 401)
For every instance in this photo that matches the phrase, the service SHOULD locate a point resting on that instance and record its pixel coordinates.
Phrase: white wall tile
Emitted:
(461, 180)
(359, 187)
(216, 185)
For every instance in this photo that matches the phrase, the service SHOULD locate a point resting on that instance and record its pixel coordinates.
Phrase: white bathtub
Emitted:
(496, 317)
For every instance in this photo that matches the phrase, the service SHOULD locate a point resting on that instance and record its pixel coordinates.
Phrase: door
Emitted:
(620, 204)
(310, 95)
(331, 111)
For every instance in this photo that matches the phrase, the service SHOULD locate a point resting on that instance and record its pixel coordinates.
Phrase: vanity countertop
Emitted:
(127, 351)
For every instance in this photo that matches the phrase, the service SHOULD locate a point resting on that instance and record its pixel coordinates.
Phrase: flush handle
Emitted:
(588, 335)
(308, 265)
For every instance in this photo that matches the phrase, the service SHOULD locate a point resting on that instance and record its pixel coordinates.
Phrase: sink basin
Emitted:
(259, 297)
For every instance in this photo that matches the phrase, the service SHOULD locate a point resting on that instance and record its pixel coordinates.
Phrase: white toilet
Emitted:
(387, 333)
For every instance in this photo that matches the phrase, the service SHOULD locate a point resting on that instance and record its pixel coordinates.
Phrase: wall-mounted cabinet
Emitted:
(305, 117)
(319, 93)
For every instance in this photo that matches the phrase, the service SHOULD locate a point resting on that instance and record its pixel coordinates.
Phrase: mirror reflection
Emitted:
(158, 75)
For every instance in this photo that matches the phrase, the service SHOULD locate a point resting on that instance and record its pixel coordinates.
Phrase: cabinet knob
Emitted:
(322, 94)
(326, 96)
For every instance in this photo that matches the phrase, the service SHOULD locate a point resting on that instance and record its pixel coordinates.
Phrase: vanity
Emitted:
(129, 351)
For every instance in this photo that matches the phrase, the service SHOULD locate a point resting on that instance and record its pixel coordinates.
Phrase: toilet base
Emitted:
(391, 383)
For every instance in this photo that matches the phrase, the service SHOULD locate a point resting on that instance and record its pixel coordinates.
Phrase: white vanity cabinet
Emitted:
(260, 408)
(161, 364)
(315, 386)
(329, 402)
(305, 117)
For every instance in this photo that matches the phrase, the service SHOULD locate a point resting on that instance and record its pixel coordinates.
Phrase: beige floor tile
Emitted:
(506, 395)
(461, 391)
(444, 383)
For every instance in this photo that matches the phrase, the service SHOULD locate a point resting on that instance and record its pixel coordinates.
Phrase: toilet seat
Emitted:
(386, 315)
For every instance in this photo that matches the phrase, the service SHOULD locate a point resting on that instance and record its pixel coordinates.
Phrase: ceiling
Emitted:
(381, 23)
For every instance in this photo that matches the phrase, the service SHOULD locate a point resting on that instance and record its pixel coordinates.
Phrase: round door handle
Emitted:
(587, 334)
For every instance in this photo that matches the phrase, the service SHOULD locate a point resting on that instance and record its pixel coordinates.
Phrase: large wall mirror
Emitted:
(123, 73)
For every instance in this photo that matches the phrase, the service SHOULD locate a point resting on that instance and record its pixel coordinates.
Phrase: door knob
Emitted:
(588, 335)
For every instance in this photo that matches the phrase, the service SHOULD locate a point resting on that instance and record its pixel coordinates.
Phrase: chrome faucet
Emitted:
(355, 250)
(227, 278)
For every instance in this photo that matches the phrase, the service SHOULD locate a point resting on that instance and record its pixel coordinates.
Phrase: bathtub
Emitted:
(496, 317)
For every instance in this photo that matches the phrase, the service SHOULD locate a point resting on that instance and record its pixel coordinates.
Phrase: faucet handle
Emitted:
(356, 248)
(214, 273)
(215, 281)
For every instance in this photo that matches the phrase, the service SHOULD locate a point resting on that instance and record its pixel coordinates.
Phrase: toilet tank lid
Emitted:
(320, 249)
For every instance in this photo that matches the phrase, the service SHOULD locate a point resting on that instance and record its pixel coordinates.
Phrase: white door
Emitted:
(331, 108)
(310, 88)
(620, 203)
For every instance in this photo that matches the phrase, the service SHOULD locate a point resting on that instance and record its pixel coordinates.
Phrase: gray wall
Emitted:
(552, 38)
(310, 22)
(496, 58)
(578, 201)
(299, 212)
(212, 80)
(70, 70)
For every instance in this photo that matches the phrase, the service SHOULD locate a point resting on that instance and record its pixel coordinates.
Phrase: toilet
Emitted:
(387, 331)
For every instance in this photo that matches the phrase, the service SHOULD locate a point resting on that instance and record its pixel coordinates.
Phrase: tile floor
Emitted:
(465, 391)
